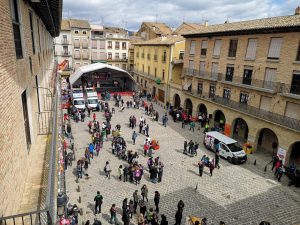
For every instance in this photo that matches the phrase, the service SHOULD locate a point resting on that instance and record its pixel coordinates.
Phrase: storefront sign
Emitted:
(281, 153)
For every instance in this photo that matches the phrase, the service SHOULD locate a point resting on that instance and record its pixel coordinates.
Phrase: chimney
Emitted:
(297, 11)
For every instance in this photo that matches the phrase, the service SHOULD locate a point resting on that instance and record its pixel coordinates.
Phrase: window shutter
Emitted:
(94, 55)
(102, 56)
(217, 48)
(214, 70)
(191, 64)
(94, 43)
(251, 49)
(204, 44)
(292, 110)
(265, 103)
(275, 46)
(192, 47)
(270, 77)
(202, 66)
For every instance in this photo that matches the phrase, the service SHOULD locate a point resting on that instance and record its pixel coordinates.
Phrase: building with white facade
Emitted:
(117, 45)
(98, 44)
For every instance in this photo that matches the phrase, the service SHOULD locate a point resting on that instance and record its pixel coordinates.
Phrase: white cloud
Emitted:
(131, 13)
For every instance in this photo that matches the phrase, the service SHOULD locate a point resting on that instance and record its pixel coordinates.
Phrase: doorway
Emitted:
(26, 119)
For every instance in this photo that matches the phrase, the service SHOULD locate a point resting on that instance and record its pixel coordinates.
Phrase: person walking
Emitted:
(217, 160)
(134, 136)
(147, 130)
(126, 217)
(120, 170)
(206, 127)
(91, 149)
(144, 191)
(211, 168)
(107, 169)
(136, 199)
(98, 202)
(192, 126)
(164, 220)
(113, 215)
(156, 200)
(160, 171)
(201, 167)
(143, 208)
(180, 205)
(275, 161)
(178, 217)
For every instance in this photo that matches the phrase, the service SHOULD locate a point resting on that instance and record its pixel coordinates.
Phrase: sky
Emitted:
(130, 14)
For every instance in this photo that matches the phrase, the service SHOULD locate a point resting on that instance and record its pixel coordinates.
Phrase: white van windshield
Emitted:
(78, 102)
(235, 147)
(77, 91)
(92, 101)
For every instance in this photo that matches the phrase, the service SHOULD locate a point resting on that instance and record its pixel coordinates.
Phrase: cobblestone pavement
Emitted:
(236, 194)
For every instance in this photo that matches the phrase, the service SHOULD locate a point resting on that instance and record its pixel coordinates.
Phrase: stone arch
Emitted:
(219, 119)
(240, 130)
(295, 154)
(201, 109)
(177, 101)
(188, 106)
(267, 141)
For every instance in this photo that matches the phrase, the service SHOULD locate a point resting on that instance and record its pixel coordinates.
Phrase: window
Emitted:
(137, 54)
(181, 54)
(202, 67)
(117, 65)
(192, 47)
(16, 29)
(164, 56)
(102, 44)
(214, 70)
(155, 71)
(163, 74)
(94, 44)
(204, 48)
(155, 55)
(124, 56)
(251, 49)
(292, 110)
(200, 88)
(109, 44)
(226, 93)
(217, 48)
(244, 98)
(84, 32)
(229, 72)
(124, 45)
(94, 55)
(76, 43)
(117, 55)
(65, 50)
(32, 32)
(77, 54)
(117, 45)
(191, 67)
(265, 103)
(109, 55)
(148, 55)
(102, 56)
(295, 86)
(143, 68)
(143, 54)
(232, 48)
(298, 53)
(30, 66)
(274, 49)
(76, 32)
(85, 43)
(247, 77)
(212, 91)
(270, 76)
(148, 70)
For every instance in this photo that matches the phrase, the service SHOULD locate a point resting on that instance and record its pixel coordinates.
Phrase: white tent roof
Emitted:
(92, 67)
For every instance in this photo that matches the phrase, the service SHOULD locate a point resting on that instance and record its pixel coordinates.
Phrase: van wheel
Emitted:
(229, 159)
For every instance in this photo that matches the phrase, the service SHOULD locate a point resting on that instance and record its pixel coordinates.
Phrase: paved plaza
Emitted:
(236, 194)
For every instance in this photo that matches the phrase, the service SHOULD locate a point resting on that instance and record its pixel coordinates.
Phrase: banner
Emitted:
(227, 129)
(281, 153)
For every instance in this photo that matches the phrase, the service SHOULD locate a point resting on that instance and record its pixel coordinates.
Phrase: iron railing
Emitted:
(251, 110)
(290, 89)
(44, 127)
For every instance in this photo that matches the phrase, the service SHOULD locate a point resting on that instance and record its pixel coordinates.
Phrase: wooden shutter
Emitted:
(251, 49)
(270, 77)
(217, 48)
(192, 47)
(204, 44)
(102, 44)
(202, 66)
(265, 103)
(94, 43)
(214, 70)
(94, 55)
(275, 46)
(292, 110)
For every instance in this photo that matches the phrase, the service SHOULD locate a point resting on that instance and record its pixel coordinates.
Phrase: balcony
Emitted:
(292, 91)
(250, 110)
(77, 56)
(118, 60)
(202, 74)
(97, 36)
(176, 61)
(146, 75)
(65, 53)
(65, 41)
(254, 84)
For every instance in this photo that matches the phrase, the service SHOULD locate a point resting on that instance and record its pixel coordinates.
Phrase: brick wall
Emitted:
(15, 78)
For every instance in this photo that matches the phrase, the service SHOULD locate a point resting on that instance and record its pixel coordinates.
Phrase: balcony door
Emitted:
(295, 86)
(26, 119)
(247, 77)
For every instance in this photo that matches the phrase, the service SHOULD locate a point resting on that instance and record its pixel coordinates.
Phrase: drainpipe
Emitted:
(169, 75)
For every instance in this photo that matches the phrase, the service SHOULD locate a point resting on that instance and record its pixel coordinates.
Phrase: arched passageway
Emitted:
(219, 120)
(177, 101)
(188, 106)
(202, 109)
(267, 141)
(295, 154)
(240, 130)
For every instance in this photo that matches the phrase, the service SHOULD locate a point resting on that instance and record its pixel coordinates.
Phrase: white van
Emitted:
(92, 102)
(79, 103)
(90, 92)
(77, 93)
(228, 148)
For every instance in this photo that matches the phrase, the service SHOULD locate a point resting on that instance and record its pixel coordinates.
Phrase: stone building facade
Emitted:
(26, 62)
(248, 75)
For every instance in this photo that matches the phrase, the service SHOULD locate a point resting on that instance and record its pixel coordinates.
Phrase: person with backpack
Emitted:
(156, 200)
(107, 169)
(192, 126)
(98, 202)
(91, 149)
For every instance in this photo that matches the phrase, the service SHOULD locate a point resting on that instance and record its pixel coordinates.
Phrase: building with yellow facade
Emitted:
(247, 75)
(157, 63)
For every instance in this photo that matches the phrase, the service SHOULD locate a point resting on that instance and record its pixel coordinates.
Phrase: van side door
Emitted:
(223, 150)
